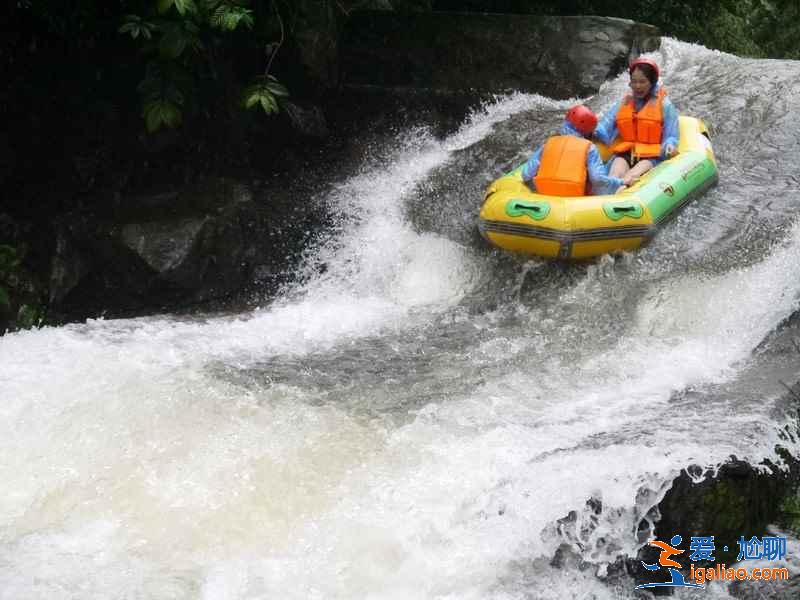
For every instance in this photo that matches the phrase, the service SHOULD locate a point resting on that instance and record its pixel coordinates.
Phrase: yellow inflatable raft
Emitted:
(517, 219)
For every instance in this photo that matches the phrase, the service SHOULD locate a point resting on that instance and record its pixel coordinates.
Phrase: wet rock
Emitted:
(559, 57)
(309, 121)
(7, 158)
(22, 292)
(316, 29)
(169, 250)
(68, 267)
(378, 5)
(737, 500)
(759, 590)
(165, 246)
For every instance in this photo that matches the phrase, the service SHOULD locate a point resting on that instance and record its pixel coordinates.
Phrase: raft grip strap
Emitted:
(617, 210)
(535, 209)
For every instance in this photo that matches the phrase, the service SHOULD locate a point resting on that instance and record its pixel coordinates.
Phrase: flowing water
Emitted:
(417, 416)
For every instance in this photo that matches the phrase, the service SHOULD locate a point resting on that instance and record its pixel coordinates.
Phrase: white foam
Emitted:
(148, 475)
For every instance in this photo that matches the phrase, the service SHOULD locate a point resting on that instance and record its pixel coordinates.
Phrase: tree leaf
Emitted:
(185, 6)
(174, 42)
(268, 104)
(277, 89)
(228, 18)
(161, 112)
(259, 95)
(251, 100)
(164, 5)
(136, 26)
(265, 93)
(171, 115)
(152, 118)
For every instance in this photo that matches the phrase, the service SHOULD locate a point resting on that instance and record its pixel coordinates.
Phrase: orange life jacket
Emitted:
(562, 168)
(641, 131)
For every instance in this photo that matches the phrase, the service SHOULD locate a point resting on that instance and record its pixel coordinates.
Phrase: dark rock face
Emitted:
(172, 249)
(308, 121)
(316, 33)
(559, 57)
(738, 500)
(22, 291)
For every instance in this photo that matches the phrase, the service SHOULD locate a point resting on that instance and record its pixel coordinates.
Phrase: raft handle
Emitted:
(617, 210)
(535, 209)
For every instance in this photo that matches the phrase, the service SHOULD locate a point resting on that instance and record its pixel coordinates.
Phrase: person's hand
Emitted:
(669, 151)
(629, 180)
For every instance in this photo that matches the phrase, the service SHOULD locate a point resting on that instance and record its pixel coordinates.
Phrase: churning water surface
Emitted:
(417, 417)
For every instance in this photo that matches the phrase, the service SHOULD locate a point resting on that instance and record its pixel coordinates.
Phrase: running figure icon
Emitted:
(664, 560)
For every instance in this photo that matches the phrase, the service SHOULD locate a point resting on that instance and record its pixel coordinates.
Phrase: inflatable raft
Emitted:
(517, 219)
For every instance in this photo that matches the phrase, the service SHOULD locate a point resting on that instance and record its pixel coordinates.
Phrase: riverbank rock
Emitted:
(176, 248)
(734, 501)
(559, 57)
(22, 291)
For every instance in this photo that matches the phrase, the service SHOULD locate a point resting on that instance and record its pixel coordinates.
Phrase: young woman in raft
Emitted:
(645, 121)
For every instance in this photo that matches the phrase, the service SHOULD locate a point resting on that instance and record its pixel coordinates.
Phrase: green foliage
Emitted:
(790, 511)
(729, 31)
(776, 26)
(136, 26)
(177, 36)
(184, 7)
(227, 17)
(164, 79)
(158, 113)
(265, 93)
(207, 38)
(185, 43)
(161, 94)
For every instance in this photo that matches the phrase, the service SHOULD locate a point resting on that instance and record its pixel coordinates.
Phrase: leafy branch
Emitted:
(265, 93)
(184, 7)
(136, 26)
(162, 96)
(228, 17)
(182, 39)
(267, 90)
